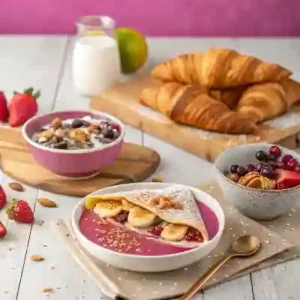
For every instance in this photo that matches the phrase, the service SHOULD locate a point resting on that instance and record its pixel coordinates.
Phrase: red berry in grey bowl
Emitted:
(261, 155)
(250, 168)
(292, 164)
(234, 168)
(278, 166)
(286, 158)
(241, 171)
(275, 150)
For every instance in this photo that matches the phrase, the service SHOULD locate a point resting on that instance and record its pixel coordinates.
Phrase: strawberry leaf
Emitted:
(28, 91)
(37, 94)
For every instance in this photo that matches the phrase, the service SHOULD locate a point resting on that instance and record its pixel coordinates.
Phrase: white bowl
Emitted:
(254, 203)
(149, 263)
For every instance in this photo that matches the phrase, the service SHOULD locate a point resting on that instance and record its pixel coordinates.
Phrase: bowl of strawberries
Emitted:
(261, 180)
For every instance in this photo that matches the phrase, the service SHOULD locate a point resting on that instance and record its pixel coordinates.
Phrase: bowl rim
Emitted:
(250, 188)
(218, 235)
(81, 151)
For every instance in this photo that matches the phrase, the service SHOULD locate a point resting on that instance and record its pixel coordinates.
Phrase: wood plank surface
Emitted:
(22, 279)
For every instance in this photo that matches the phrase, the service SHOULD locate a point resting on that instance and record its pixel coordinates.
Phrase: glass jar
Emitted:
(96, 59)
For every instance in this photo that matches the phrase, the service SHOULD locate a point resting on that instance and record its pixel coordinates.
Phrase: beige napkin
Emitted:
(145, 286)
(287, 226)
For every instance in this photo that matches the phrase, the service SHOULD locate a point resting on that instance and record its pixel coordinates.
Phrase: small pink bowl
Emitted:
(72, 164)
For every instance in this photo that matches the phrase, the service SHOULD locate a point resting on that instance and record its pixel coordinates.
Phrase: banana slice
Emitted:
(127, 205)
(108, 208)
(174, 232)
(140, 217)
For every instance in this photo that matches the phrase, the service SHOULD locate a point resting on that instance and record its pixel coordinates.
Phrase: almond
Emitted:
(56, 122)
(157, 179)
(47, 289)
(46, 202)
(16, 186)
(37, 257)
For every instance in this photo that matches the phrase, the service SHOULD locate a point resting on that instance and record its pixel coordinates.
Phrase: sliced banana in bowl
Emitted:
(141, 218)
(174, 232)
(108, 208)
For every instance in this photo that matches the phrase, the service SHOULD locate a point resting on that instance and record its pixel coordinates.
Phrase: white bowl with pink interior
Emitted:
(157, 260)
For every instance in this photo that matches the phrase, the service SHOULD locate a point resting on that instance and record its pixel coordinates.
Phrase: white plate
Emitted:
(155, 263)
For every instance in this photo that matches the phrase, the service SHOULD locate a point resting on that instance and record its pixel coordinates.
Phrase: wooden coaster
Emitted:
(135, 163)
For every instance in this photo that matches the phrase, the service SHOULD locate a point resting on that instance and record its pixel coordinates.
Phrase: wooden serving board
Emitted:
(122, 101)
(135, 163)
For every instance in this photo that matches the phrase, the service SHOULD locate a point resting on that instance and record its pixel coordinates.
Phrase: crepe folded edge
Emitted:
(200, 226)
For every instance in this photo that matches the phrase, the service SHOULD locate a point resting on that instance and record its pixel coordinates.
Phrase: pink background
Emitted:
(157, 17)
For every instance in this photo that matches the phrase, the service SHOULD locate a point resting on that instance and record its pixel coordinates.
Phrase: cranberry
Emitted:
(292, 164)
(261, 155)
(297, 169)
(286, 158)
(234, 168)
(250, 168)
(271, 157)
(280, 186)
(275, 150)
(156, 230)
(278, 166)
(241, 171)
(122, 217)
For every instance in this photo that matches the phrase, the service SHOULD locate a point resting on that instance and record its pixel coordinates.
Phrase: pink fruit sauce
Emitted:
(118, 238)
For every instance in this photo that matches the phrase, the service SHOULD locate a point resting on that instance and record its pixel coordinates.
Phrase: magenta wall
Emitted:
(157, 17)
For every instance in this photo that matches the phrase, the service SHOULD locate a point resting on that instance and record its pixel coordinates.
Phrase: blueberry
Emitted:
(271, 157)
(233, 168)
(241, 171)
(77, 123)
(108, 133)
(61, 145)
(261, 155)
(267, 172)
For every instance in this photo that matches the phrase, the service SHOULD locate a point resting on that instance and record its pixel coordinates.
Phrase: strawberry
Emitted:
(288, 179)
(20, 211)
(3, 108)
(2, 197)
(22, 107)
(3, 230)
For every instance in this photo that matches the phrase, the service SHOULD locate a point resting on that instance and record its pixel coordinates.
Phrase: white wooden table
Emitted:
(45, 62)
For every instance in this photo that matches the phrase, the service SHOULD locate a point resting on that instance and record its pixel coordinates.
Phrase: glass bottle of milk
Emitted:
(96, 59)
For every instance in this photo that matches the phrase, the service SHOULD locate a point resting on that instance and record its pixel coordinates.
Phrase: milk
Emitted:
(96, 64)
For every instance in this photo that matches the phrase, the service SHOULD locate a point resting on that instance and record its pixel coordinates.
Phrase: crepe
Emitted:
(175, 206)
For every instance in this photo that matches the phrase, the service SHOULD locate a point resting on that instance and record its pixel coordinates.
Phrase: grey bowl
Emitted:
(254, 203)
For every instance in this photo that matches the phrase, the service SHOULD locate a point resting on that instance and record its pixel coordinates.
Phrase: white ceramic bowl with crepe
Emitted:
(157, 263)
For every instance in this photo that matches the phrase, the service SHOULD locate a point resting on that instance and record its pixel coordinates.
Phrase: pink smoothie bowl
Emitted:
(72, 164)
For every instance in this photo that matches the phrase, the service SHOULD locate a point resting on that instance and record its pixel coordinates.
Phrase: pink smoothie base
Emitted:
(75, 163)
(106, 234)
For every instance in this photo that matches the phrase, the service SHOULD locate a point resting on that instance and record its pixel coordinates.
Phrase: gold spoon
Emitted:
(245, 246)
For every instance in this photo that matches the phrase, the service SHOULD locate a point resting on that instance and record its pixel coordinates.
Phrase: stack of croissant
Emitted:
(221, 90)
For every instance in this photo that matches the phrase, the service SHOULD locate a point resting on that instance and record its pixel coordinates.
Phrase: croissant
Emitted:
(265, 101)
(192, 106)
(228, 96)
(219, 68)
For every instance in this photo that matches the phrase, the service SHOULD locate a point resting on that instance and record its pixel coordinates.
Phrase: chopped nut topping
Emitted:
(47, 134)
(79, 135)
(164, 202)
